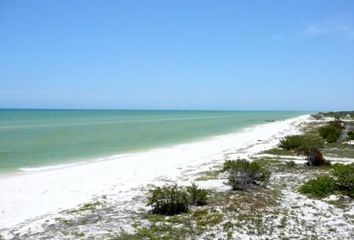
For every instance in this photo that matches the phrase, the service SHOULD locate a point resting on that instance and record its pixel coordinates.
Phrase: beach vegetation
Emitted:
(301, 143)
(331, 132)
(308, 144)
(344, 177)
(207, 217)
(319, 187)
(317, 116)
(340, 179)
(197, 196)
(243, 174)
(168, 200)
(291, 142)
(351, 135)
(172, 199)
(339, 114)
(310, 141)
(187, 226)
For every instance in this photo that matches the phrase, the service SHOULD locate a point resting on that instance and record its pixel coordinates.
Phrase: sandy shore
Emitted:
(47, 191)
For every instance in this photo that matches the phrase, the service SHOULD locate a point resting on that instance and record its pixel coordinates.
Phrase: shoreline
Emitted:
(48, 139)
(37, 193)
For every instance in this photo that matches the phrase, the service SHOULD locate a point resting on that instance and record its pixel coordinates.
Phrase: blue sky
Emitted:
(183, 54)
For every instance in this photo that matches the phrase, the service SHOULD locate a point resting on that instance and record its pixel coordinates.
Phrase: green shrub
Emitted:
(242, 173)
(197, 196)
(228, 165)
(341, 179)
(351, 135)
(168, 200)
(307, 145)
(291, 142)
(301, 143)
(331, 132)
(171, 199)
(317, 116)
(319, 187)
(338, 115)
(344, 177)
(310, 142)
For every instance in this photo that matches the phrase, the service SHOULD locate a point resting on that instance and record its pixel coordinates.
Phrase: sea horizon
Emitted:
(160, 109)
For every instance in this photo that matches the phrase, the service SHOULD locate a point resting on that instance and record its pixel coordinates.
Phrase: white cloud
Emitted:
(322, 29)
(316, 30)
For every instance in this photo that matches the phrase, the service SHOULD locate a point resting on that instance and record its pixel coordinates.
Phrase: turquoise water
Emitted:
(32, 138)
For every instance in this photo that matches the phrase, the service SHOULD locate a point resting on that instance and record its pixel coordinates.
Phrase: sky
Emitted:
(182, 54)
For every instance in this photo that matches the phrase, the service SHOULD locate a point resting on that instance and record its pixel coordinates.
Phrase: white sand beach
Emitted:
(37, 192)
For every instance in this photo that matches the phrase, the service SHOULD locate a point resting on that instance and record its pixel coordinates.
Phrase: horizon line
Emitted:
(161, 109)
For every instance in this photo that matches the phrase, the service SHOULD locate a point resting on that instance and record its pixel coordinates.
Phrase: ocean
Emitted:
(37, 138)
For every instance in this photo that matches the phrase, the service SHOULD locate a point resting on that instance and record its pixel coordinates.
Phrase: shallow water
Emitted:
(33, 138)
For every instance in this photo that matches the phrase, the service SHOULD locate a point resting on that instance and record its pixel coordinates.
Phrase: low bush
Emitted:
(301, 143)
(168, 200)
(172, 199)
(341, 179)
(242, 173)
(317, 116)
(331, 132)
(319, 187)
(228, 164)
(291, 142)
(344, 177)
(338, 115)
(308, 145)
(351, 135)
(309, 142)
(197, 196)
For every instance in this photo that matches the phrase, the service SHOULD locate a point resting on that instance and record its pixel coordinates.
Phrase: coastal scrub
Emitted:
(243, 173)
(331, 132)
(340, 179)
(320, 187)
(197, 196)
(168, 200)
(172, 200)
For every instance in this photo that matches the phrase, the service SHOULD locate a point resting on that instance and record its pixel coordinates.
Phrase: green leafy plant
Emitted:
(321, 186)
(291, 142)
(331, 132)
(344, 177)
(338, 115)
(340, 179)
(228, 165)
(301, 143)
(168, 200)
(317, 116)
(310, 142)
(197, 196)
(243, 173)
(308, 145)
(172, 199)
